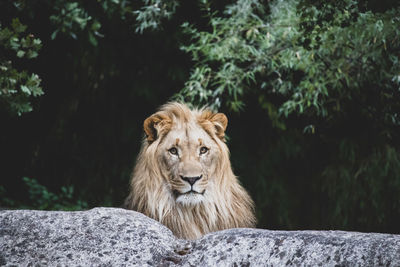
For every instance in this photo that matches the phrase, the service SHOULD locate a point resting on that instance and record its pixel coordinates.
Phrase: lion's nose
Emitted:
(191, 180)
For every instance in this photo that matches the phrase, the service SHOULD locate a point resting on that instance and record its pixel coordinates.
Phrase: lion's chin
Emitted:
(190, 199)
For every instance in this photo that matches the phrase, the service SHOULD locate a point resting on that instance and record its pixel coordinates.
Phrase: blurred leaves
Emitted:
(41, 198)
(316, 56)
(70, 18)
(45, 200)
(18, 87)
(150, 15)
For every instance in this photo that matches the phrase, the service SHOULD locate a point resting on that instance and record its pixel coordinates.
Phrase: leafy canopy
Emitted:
(317, 58)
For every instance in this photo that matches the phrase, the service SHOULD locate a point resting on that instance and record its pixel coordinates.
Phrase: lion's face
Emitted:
(189, 156)
(183, 176)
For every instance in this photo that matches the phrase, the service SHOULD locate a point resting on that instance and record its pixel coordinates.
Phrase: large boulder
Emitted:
(117, 237)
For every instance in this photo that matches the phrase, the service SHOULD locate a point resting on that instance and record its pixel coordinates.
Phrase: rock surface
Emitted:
(117, 237)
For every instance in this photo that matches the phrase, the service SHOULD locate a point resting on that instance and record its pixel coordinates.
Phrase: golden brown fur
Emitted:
(183, 176)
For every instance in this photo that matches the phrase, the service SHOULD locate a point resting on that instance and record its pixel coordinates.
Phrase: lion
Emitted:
(183, 176)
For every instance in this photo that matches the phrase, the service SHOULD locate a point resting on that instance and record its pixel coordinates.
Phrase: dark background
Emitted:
(79, 144)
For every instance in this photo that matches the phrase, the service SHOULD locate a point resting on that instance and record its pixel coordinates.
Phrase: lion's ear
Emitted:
(154, 125)
(219, 122)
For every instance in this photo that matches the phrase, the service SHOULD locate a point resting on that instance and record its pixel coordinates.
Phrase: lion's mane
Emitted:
(229, 206)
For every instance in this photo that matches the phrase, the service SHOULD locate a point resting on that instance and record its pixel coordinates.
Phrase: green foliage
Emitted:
(298, 52)
(43, 199)
(18, 87)
(70, 18)
(153, 12)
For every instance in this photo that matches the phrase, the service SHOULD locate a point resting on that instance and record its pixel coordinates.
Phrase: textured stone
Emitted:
(117, 237)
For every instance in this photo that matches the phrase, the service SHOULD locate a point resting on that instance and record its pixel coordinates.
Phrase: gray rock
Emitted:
(117, 237)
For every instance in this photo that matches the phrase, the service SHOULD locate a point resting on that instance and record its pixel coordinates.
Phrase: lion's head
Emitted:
(183, 177)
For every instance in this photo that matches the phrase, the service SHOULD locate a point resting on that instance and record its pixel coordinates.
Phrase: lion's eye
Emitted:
(203, 150)
(173, 151)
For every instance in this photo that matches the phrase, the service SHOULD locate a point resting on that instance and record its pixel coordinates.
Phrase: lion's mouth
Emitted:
(190, 197)
(190, 192)
(194, 192)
